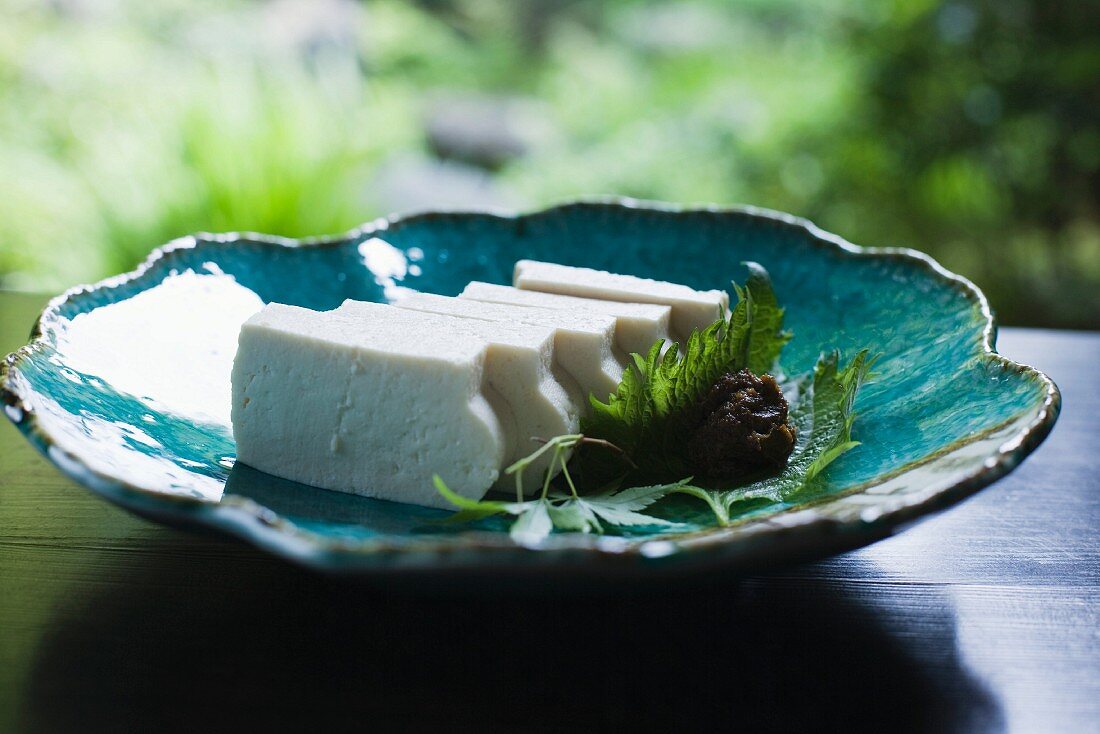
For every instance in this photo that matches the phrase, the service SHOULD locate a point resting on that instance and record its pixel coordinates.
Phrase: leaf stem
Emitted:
(608, 445)
(720, 512)
(569, 479)
(550, 471)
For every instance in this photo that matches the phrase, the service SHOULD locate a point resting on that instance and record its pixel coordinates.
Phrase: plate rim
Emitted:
(247, 520)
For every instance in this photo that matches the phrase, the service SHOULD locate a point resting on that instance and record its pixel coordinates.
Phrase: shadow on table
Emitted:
(244, 642)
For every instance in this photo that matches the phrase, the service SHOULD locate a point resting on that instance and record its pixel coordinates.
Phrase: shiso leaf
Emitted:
(766, 334)
(827, 416)
(644, 416)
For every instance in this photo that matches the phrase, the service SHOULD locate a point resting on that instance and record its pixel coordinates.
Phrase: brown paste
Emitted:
(740, 429)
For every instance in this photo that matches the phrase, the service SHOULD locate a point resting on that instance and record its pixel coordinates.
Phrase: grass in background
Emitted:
(965, 129)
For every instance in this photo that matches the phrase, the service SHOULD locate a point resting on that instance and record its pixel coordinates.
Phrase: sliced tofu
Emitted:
(691, 309)
(518, 366)
(638, 326)
(584, 343)
(366, 406)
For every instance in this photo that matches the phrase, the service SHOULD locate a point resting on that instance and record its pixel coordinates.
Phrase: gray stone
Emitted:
(485, 131)
(411, 183)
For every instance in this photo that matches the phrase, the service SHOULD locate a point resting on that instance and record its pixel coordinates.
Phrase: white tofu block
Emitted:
(518, 366)
(584, 343)
(638, 326)
(691, 309)
(372, 407)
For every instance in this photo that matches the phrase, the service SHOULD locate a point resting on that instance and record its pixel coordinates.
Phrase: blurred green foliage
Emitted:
(968, 129)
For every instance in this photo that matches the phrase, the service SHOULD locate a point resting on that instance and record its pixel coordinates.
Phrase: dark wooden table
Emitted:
(985, 618)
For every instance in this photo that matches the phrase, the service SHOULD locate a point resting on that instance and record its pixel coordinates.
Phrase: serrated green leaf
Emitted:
(620, 516)
(638, 498)
(831, 415)
(827, 457)
(533, 525)
(621, 508)
(766, 335)
(658, 392)
(575, 515)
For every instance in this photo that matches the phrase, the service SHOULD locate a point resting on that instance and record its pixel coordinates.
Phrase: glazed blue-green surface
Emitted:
(127, 386)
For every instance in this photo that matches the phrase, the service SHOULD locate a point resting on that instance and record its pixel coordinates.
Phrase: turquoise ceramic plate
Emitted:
(125, 386)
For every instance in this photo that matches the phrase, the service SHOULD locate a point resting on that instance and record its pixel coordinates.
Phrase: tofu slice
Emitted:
(584, 343)
(518, 366)
(372, 407)
(638, 326)
(691, 309)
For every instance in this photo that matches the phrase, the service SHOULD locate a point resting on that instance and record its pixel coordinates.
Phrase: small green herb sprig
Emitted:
(637, 439)
(556, 509)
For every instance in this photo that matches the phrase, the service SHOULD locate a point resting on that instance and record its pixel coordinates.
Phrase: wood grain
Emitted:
(984, 618)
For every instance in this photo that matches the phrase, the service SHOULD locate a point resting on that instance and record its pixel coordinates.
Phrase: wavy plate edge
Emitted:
(786, 533)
